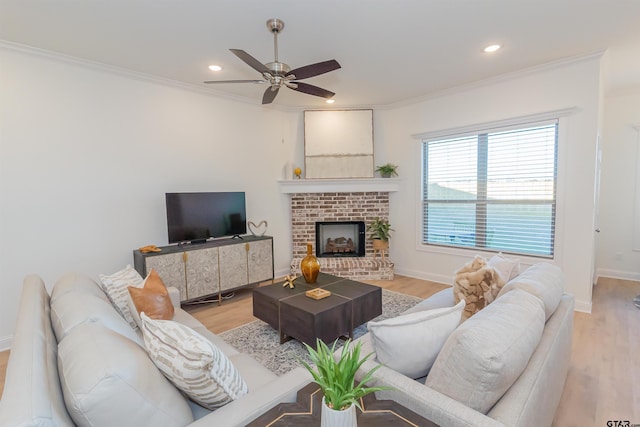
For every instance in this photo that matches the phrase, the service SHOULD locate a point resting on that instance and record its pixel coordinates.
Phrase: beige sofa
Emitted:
(473, 362)
(75, 361)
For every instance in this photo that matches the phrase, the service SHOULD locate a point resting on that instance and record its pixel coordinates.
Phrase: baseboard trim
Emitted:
(617, 274)
(5, 343)
(583, 306)
(438, 278)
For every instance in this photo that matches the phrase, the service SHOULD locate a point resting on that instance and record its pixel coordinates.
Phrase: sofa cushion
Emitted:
(543, 280)
(109, 381)
(257, 376)
(485, 355)
(116, 287)
(507, 267)
(192, 363)
(77, 284)
(152, 298)
(32, 395)
(71, 309)
(410, 343)
(478, 284)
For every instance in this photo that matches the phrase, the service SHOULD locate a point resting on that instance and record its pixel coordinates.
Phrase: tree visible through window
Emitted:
(493, 190)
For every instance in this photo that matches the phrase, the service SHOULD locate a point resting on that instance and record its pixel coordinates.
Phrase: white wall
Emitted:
(86, 157)
(570, 85)
(619, 179)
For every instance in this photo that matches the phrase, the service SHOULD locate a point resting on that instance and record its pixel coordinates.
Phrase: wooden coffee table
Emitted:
(295, 315)
(307, 408)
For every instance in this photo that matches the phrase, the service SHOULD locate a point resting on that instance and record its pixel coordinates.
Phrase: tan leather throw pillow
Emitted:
(153, 298)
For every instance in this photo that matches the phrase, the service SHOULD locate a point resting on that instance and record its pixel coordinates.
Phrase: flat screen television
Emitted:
(196, 217)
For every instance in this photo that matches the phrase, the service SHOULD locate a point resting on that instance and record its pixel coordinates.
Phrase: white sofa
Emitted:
(464, 369)
(74, 348)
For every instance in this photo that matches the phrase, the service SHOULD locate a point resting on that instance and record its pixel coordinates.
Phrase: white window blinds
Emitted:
(493, 190)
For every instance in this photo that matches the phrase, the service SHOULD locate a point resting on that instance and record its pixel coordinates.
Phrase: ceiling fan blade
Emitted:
(270, 94)
(251, 61)
(235, 81)
(312, 90)
(314, 69)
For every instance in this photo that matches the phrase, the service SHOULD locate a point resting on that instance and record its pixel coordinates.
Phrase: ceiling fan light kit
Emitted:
(278, 74)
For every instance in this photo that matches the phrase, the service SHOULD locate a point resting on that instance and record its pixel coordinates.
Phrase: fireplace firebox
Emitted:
(340, 239)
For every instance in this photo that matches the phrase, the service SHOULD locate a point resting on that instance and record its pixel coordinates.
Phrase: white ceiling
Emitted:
(390, 51)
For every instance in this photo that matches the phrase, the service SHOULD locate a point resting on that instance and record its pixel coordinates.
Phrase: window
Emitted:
(492, 190)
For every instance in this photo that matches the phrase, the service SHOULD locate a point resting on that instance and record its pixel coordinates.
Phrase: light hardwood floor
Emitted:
(603, 383)
(604, 377)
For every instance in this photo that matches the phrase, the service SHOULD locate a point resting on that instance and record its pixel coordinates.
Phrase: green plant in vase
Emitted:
(337, 378)
(380, 229)
(387, 170)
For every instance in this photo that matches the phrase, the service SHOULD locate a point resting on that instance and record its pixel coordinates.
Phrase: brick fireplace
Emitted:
(326, 204)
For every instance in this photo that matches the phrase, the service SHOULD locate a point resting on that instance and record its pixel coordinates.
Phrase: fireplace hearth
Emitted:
(340, 239)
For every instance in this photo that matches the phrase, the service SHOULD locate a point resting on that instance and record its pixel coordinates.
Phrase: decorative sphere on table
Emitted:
(310, 266)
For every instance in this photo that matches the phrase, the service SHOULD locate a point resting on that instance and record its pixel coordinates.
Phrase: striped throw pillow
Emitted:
(192, 363)
(116, 286)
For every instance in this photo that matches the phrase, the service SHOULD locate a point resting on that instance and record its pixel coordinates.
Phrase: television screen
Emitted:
(196, 217)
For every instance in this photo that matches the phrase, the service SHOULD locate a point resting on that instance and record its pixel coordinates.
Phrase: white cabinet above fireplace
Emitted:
(340, 185)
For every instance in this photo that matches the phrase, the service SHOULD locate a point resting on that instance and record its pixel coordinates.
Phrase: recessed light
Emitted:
(492, 48)
(215, 67)
(330, 101)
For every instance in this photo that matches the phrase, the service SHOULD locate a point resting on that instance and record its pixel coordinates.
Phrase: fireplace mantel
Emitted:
(340, 185)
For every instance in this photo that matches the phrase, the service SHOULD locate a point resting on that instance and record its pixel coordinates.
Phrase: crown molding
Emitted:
(548, 66)
(150, 78)
(134, 75)
(478, 127)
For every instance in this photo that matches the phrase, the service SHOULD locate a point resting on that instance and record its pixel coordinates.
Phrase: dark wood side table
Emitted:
(305, 412)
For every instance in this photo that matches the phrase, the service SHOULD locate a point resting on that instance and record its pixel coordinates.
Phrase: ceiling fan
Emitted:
(278, 74)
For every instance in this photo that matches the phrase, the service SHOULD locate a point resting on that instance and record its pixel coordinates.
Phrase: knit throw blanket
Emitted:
(477, 284)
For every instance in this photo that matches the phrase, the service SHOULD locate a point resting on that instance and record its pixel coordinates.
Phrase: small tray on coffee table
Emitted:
(317, 293)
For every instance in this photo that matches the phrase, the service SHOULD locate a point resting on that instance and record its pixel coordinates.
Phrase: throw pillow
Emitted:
(506, 267)
(477, 284)
(410, 343)
(153, 298)
(115, 286)
(192, 363)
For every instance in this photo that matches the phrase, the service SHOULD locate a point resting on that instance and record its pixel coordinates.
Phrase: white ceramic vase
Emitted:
(332, 418)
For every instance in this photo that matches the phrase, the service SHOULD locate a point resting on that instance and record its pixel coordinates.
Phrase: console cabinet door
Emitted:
(260, 261)
(233, 266)
(171, 268)
(202, 272)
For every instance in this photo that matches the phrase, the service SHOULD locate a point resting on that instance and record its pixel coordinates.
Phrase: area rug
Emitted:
(261, 341)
